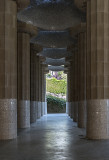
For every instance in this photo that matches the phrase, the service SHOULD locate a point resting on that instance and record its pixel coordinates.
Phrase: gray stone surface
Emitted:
(42, 108)
(98, 119)
(39, 110)
(33, 111)
(45, 113)
(23, 114)
(48, 15)
(36, 109)
(82, 114)
(54, 137)
(8, 118)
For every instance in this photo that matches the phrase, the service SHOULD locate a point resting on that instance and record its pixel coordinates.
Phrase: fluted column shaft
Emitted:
(23, 80)
(82, 80)
(70, 89)
(75, 85)
(44, 92)
(33, 103)
(39, 86)
(67, 107)
(68, 93)
(8, 69)
(42, 89)
(97, 69)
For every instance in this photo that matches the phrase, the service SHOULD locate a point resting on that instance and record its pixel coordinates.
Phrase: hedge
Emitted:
(54, 102)
(56, 86)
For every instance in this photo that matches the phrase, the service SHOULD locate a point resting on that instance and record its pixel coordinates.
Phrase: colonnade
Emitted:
(91, 76)
(20, 103)
(22, 74)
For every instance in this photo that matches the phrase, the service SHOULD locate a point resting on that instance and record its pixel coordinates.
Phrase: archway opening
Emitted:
(56, 90)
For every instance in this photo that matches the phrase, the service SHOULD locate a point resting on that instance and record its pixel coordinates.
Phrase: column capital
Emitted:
(22, 4)
(37, 48)
(78, 29)
(81, 4)
(42, 59)
(27, 28)
(45, 68)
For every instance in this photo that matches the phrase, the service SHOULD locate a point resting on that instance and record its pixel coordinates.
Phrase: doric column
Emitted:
(42, 88)
(97, 69)
(44, 102)
(35, 82)
(70, 89)
(33, 87)
(21, 4)
(8, 69)
(82, 79)
(23, 80)
(68, 106)
(46, 71)
(24, 33)
(35, 110)
(75, 85)
(43, 91)
(39, 91)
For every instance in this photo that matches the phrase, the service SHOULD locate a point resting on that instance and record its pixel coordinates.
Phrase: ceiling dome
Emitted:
(53, 39)
(56, 68)
(55, 53)
(51, 14)
(56, 62)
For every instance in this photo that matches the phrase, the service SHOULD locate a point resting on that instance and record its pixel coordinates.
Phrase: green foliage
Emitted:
(56, 86)
(54, 101)
(64, 77)
(48, 75)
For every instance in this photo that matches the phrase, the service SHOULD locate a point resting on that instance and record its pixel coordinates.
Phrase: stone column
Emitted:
(82, 80)
(70, 90)
(23, 80)
(75, 112)
(8, 70)
(35, 49)
(44, 92)
(42, 89)
(68, 105)
(33, 103)
(67, 108)
(72, 87)
(45, 113)
(97, 69)
(38, 88)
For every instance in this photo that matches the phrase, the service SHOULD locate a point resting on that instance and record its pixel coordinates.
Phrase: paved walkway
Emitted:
(54, 137)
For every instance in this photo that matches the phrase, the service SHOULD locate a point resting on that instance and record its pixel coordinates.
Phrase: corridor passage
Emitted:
(54, 137)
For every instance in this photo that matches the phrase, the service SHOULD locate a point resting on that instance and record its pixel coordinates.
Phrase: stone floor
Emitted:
(54, 137)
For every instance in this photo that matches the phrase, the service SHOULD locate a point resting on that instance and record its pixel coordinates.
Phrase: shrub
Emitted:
(56, 104)
(56, 86)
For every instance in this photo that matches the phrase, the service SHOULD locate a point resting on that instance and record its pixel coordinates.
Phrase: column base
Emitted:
(8, 119)
(39, 110)
(23, 114)
(36, 110)
(42, 108)
(75, 116)
(33, 112)
(97, 119)
(72, 110)
(67, 109)
(45, 111)
(82, 114)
